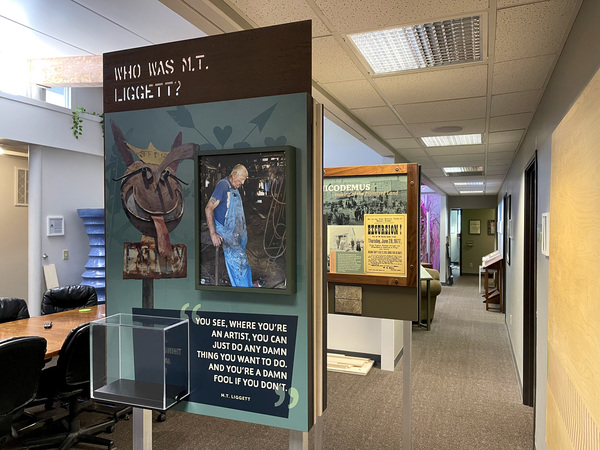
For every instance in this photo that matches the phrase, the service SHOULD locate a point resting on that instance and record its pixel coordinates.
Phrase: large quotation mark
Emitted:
(280, 391)
(294, 397)
(195, 317)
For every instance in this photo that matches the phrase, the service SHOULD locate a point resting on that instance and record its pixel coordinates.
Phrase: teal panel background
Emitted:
(289, 124)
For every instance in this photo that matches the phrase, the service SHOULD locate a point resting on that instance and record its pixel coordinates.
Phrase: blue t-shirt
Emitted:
(222, 192)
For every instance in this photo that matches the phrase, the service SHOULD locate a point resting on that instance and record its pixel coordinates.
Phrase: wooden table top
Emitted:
(62, 324)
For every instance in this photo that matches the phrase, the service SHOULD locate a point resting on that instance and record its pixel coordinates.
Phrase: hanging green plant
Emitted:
(77, 126)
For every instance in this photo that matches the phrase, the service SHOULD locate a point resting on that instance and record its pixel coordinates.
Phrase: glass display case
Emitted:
(140, 360)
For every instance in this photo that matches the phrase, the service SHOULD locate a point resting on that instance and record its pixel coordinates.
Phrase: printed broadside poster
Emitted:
(385, 244)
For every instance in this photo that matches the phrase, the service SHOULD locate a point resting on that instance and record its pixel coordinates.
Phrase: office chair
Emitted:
(12, 308)
(69, 382)
(21, 359)
(68, 297)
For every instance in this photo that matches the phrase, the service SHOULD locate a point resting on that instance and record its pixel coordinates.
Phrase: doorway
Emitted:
(455, 233)
(530, 283)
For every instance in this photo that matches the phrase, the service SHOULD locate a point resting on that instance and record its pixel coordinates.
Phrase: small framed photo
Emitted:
(491, 227)
(474, 226)
(55, 226)
(246, 220)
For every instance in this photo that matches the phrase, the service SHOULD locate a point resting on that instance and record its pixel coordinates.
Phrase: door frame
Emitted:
(530, 283)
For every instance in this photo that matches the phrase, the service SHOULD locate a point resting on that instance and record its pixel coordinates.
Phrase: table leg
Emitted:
(428, 305)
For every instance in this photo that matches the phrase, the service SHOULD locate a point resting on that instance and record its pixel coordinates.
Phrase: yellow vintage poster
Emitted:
(385, 244)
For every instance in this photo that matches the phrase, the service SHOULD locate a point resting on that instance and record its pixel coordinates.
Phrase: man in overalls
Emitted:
(227, 225)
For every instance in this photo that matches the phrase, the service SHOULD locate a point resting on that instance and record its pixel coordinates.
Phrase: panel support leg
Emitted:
(298, 440)
(407, 387)
(142, 429)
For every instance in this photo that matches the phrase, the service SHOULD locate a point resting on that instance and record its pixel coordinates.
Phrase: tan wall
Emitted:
(13, 232)
(573, 393)
(483, 243)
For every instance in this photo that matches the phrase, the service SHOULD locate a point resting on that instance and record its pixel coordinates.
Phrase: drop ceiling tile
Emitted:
(514, 103)
(500, 157)
(442, 179)
(507, 3)
(465, 108)
(275, 12)
(498, 165)
(468, 127)
(381, 115)
(460, 160)
(403, 143)
(331, 62)
(506, 136)
(410, 153)
(497, 170)
(355, 94)
(424, 161)
(521, 74)
(435, 175)
(391, 131)
(448, 83)
(510, 122)
(503, 147)
(457, 150)
(532, 30)
(359, 15)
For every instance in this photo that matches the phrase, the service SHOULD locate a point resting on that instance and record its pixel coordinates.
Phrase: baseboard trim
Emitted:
(376, 358)
(512, 352)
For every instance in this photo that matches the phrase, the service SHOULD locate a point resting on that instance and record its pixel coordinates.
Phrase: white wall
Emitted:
(64, 174)
(13, 229)
(341, 149)
(579, 61)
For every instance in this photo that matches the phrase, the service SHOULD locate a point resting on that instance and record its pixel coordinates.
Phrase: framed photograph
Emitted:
(245, 219)
(491, 227)
(55, 226)
(474, 226)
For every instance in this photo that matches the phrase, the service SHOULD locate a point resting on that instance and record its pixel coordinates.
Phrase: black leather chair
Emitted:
(68, 297)
(69, 382)
(21, 362)
(12, 308)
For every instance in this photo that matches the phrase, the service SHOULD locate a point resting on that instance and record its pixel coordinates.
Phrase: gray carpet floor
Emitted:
(465, 395)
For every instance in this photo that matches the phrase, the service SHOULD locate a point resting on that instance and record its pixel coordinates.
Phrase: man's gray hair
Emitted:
(239, 168)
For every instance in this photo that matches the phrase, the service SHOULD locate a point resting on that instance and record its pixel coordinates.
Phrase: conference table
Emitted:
(62, 324)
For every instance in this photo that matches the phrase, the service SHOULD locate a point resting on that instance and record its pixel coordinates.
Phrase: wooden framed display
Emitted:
(491, 227)
(373, 219)
(259, 201)
(475, 226)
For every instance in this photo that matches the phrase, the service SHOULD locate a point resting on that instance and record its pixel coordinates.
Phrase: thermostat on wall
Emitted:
(56, 226)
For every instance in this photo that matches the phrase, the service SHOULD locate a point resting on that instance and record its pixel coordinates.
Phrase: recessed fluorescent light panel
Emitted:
(457, 139)
(471, 192)
(469, 183)
(467, 171)
(433, 44)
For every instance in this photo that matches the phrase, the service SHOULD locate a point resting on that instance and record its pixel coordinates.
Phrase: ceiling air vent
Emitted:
(434, 44)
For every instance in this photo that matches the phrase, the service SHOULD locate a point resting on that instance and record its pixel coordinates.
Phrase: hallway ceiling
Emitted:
(497, 96)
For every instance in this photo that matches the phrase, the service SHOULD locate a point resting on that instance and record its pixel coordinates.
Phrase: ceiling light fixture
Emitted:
(432, 44)
(457, 139)
(471, 192)
(469, 183)
(466, 171)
